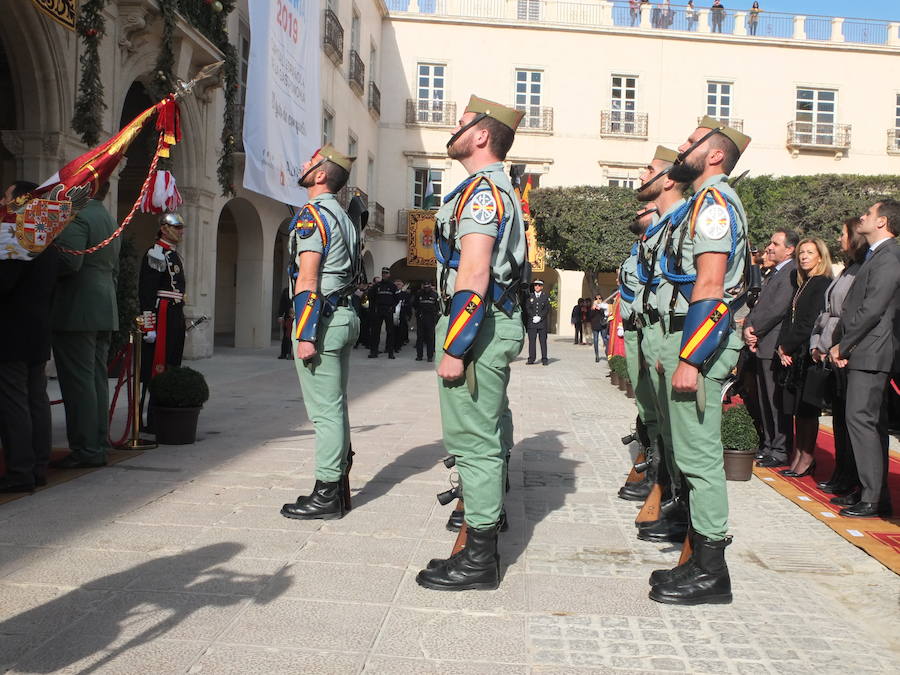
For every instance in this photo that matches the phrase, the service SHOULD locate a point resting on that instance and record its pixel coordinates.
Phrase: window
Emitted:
(816, 110)
(370, 179)
(528, 96)
(718, 100)
(621, 181)
(528, 9)
(423, 196)
(352, 150)
(897, 124)
(327, 127)
(624, 104)
(430, 93)
(354, 31)
(373, 63)
(244, 65)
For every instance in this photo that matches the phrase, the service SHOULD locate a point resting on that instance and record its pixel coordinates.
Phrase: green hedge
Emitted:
(738, 430)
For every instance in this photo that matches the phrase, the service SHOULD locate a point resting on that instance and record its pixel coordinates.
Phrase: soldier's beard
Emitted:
(686, 172)
(635, 227)
(460, 149)
(651, 193)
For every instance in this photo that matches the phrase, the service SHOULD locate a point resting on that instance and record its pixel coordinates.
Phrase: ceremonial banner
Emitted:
(420, 238)
(536, 254)
(62, 12)
(283, 110)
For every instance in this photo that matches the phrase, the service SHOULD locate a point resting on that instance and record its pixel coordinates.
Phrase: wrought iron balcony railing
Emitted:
(348, 192)
(623, 124)
(431, 112)
(818, 136)
(733, 122)
(238, 127)
(357, 75)
(333, 38)
(537, 118)
(893, 141)
(376, 218)
(374, 100)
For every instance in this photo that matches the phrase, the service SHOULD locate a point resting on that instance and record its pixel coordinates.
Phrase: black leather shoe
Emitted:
(529, 363)
(545, 362)
(476, 567)
(72, 462)
(391, 356)
(10, 485)
(866, 510)
(325, 503)
(760, 456)
(771, 462)
(373, 356)
(40, 479)
(418, 358)
(704, 580)
(840, 489)
(430, 359)
(848, 499)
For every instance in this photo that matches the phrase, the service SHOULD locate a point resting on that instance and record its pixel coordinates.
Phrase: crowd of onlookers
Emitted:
(819, 339)
(662, 14)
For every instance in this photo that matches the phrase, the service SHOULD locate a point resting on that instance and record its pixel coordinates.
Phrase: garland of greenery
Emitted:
(89, 105)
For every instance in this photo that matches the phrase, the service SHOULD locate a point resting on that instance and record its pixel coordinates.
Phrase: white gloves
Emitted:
(150, 337)
(535, 319)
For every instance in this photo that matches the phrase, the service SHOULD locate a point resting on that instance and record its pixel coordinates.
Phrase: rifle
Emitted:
(650, 511)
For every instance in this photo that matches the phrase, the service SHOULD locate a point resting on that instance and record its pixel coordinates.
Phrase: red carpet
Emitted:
(879, 537)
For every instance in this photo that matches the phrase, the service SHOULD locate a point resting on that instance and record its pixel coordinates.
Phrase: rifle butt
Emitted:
(650, 511)
(634, 476)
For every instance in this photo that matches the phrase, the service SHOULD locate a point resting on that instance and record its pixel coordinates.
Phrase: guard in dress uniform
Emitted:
(703, 263)
(425, 305)
(670, 521)
(537, 312)
(161, 289)
(481, 254)
(382, 301)
(325, 255)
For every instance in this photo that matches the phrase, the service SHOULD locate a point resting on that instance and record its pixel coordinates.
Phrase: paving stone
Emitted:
(383, 665)
(322, 547)
(589, 596)
(224, 659)
(343, 582)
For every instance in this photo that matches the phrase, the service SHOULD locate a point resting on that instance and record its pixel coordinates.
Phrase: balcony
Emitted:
(374, 100)
(538, 119)
(733, 122)
(623, 124)
(828, 137)
(238, 127)
(376, 222)
(357, 75)
(333, 38)
(893, 141)
(348, 192)
(425, 112)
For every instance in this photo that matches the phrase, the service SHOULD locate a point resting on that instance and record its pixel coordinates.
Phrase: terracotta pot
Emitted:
(629, 390)
(739, 464)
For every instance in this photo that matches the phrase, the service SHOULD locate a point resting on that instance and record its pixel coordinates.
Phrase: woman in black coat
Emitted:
(813, 279)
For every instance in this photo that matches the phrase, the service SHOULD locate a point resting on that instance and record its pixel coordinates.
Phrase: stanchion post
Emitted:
(136, 442)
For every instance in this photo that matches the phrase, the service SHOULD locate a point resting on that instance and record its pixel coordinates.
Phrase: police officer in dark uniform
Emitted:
(382, 300)
(426, 307)
(537, 309)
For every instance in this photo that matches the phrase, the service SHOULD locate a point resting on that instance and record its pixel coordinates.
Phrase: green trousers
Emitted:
(697, 437)
(475, 417)
(81, 367)
(644, 397)
(652, 340)
(323, 381)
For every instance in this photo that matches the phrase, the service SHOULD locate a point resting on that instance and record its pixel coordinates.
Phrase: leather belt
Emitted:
(629, 324)
(171, 295)
(675, 324)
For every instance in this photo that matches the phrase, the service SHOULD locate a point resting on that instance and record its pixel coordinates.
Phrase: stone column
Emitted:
(837, 29)
(606, 13)
(646, 14)
(569, 290)
(893, 39)
(740, 23)
(703, 20)
(799, 27)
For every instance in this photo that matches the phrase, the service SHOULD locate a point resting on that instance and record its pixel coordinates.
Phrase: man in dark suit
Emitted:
(761, 329)
(537, 308)
(26, 291)
(867, 347)
(84, 314)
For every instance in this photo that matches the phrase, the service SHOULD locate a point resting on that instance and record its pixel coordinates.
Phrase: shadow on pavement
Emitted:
(189, 582)
(413, 461)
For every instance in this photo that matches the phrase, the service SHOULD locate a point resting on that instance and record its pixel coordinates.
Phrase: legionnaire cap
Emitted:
(664, 154)
(328, 152)
(739, 139)
(503, 114)
(171, 220)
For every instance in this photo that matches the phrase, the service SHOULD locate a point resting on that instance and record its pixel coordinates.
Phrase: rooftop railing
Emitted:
(618, 14)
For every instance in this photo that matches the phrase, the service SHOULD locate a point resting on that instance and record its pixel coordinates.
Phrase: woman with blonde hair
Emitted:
(813, 278)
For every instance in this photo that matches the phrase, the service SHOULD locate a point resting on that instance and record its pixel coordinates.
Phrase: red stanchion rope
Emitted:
(124, 360)
(137, 202)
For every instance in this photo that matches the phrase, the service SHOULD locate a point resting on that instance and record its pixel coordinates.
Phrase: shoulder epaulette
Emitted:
(309, 220)
(483, 210)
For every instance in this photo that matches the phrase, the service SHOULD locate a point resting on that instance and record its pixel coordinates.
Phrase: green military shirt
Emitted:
(712, 234)
(480, 216)
(340, 263)
(650, 247)
(629, 279)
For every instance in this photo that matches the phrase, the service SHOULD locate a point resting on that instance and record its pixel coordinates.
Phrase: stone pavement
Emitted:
(178, 561)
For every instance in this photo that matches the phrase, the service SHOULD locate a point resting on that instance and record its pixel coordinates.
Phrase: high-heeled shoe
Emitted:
(793, 474)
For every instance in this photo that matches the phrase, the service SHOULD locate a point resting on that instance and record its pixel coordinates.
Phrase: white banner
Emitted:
(283, 111)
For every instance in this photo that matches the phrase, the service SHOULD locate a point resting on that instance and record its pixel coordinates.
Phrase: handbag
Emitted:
(819, 387)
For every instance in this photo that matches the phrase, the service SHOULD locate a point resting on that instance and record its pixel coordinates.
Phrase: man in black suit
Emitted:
(26, 294)
(867, 346)
(537, 307)
(761, 329)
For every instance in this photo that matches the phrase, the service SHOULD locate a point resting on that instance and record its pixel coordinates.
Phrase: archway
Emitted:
(242, 306)
(410, 275)
(368, 264)
(141, 232)
(550, 277)
(280, 279)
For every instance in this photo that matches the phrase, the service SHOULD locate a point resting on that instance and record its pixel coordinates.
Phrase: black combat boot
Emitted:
(636, 492)
(458, 517)
(704, 580)
(345, 482)
(672, 524)
(475, 568)
(325, 502)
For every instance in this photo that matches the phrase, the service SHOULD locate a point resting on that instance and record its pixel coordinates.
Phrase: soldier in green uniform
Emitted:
(658, 188)
(480, 247)
(324, 247)
(703, 264)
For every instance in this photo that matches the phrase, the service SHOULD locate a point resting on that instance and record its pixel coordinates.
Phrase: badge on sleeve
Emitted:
(306, 223)
(713, 222)
(483, 207)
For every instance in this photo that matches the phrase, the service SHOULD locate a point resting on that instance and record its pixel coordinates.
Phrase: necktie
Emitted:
(869, 253)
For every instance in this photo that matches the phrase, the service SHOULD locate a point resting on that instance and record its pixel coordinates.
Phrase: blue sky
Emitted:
(865, 9)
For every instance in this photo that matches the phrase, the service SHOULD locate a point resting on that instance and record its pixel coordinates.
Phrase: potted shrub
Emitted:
(177, 394)
(617, 368)
(740, 442)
